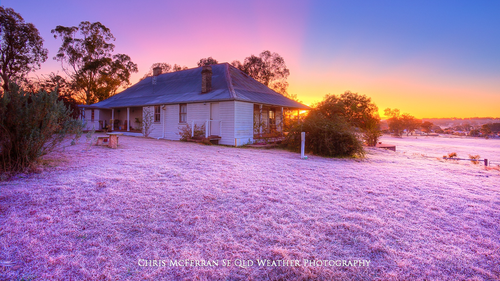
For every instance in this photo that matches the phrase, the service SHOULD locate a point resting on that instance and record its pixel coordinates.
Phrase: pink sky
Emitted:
(429, 60)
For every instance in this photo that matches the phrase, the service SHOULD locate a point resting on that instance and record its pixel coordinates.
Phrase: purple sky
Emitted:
(427, 58)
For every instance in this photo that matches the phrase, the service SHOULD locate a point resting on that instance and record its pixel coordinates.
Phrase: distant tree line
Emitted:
(406, 123)
(486, 130)
(494, 127)
(399, 123)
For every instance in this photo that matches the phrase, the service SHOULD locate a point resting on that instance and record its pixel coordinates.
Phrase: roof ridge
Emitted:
(230, 83)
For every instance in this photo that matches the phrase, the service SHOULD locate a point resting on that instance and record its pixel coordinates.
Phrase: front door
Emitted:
(214, 119)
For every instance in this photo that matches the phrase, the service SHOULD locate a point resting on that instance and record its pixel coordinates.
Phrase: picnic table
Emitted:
(386, 146)
(113, 139)
(102, 140)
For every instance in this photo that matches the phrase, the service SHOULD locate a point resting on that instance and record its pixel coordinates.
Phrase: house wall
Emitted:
(256, 118)
(169, 126)
(135, 113)
(156, 127)
(279, 119)
(243, 123)
(171, 119)
(236, 118)
(121, 116)
(89, 124)
(104, 116)
(265, 118)
(227, 110)
(197, 112)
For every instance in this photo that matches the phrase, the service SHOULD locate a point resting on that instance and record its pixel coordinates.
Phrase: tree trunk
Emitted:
(5, 85)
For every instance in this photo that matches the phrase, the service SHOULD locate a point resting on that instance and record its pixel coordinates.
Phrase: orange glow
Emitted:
(417, 95)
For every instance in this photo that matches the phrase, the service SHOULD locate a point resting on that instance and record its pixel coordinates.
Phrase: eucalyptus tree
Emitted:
(21, 47)
(86, 56)
(267, 68)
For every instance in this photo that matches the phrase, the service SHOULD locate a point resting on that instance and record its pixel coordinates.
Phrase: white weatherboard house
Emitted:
(234, 107)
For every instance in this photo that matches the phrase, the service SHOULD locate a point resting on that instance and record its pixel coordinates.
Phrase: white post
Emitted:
(128, 119)
(302, 145)
(220, 128)
(163, 118)
(192, 128)
(282, 119)
(206, 129)
(260, 120)
(112, 119)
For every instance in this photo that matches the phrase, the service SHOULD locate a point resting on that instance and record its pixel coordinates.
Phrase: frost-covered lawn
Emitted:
(443, 145)
(93, 215)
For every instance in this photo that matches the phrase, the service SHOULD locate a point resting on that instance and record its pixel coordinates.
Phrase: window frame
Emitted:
(183, 115)
(92, 115)
(272, 120)
(157, 115)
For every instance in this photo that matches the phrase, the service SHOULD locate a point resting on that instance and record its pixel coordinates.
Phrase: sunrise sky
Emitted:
(427, 58)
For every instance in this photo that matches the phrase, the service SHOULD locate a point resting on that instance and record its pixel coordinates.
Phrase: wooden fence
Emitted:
(485, 161)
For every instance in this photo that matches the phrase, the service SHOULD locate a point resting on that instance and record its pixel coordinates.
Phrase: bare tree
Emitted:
(147, 121)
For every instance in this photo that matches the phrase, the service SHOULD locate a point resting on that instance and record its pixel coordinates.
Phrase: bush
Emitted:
(371, 133)
(31, 125)
(474, 158)
(357, 110)
(332, 137)
(185, 132)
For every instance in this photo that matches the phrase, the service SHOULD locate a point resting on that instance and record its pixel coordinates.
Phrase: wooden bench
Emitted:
(386, 146)
(113, 139)
(102, 140)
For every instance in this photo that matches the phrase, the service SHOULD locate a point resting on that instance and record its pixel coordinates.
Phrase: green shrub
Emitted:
(372, 132)
(357, 110)
(31, 125)
(332, 137)
(185, 132)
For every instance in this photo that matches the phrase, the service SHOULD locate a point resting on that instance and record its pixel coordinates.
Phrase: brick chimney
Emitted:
(156, 71)
(206, 79)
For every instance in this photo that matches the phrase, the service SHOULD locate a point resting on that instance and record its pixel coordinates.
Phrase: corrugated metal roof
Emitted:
(228, 83)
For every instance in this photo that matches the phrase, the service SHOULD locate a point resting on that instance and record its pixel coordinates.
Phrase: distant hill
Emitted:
(452, 122)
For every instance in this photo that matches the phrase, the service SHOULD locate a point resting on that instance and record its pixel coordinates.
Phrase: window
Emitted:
(157, 113)
(92, 115)
(182, 113)
(272, 118)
